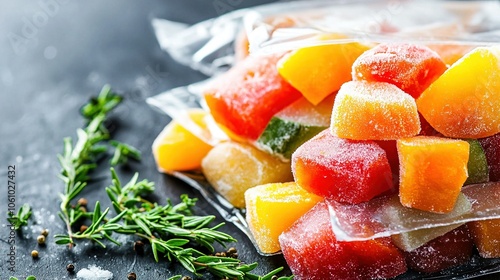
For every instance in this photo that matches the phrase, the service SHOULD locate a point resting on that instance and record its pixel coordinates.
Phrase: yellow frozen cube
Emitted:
(273, 208)
(177, 148)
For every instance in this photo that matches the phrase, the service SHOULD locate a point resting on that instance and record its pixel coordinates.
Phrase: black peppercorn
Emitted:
(232, 253)
(139, 247)
(131, 276)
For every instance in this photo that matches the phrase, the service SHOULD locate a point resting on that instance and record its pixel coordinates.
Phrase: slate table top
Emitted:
(54, 55)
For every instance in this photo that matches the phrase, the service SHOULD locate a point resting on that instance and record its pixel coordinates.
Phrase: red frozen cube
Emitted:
(344, 170)
(246, 97)
(313, 253)
(410, 67)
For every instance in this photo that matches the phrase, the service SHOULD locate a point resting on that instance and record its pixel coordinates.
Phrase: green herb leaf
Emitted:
(21, 218)
(102, 104)
(123, 153)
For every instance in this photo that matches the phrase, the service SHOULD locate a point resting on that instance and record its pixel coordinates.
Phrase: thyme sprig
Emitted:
(78, 160)
(171, 229)
(164, 221)
(21, 217)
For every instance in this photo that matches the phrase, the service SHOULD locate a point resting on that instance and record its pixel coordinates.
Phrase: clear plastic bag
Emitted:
(474, 23)
(209, 47)
(385, 216)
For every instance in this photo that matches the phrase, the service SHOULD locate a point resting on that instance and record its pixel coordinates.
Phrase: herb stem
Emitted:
(78, 160)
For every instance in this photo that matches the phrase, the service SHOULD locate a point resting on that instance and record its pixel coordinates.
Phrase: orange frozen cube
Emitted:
(374, 111)
(273, 208)
(320, 70)
(432, 172)
(464, 102)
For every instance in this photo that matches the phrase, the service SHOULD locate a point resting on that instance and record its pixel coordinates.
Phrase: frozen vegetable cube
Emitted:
(491, 147)
(340, 169)
(273, 208)
(232, 168)
(477, 167)
(432, 172)
(246, 97)
(374, 111)
(177, 148)
(412, 68)
(451, 249)
(294, 125)
(313, 253)
(320, 70)
(486, 235)
(464, 102)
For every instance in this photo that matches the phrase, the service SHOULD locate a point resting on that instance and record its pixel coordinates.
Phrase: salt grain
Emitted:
(94, 272)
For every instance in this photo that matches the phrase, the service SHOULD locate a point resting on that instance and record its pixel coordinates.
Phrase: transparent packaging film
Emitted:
(386, 216)
(209, 47)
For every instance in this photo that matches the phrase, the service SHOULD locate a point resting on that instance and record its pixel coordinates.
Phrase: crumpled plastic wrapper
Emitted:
(209, 47)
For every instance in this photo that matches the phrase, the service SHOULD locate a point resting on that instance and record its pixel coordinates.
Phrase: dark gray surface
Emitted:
(51, 61)
(53, 56)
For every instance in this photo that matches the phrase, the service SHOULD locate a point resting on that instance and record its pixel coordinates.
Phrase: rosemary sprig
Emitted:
(21, 218)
